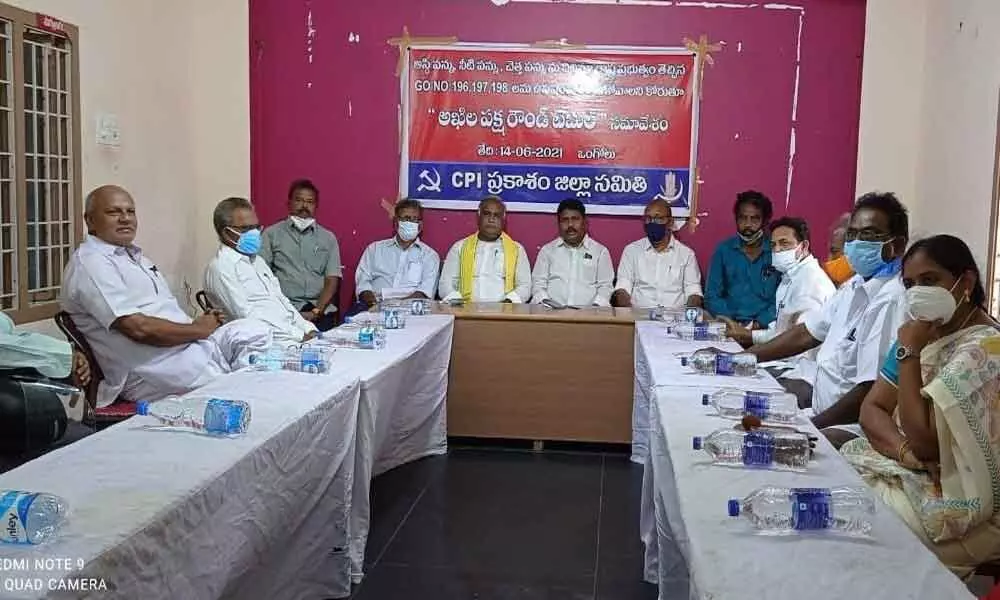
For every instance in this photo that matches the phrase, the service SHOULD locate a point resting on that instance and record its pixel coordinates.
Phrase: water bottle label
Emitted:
(390, 319)
(223, 416)
(366, 337)
(700, 333)
(811, 509)
(311, 361)
(756, 404)
(417, 307)
(758, 448)
(14, 511)
(724, 364)
(692, 315)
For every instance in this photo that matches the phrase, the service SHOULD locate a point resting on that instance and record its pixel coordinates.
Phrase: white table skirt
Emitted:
(658, 362)
(720, 557)
(156, 514)
(402, 415)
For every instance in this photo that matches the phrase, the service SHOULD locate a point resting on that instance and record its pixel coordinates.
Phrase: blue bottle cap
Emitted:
(142, 407)
(684, 361)
(696, 442)
(734, 507)
(253, 359)
(704, 400)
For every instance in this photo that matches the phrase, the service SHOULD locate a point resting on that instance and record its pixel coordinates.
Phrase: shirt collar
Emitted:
(417, 243)
(291, 226)
(585, 244)
(648, 245)
(108, 249)
(737, 244)
(230, 254)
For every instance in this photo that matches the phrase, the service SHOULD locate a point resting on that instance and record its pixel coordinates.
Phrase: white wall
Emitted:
(929, 112)
(176, 74)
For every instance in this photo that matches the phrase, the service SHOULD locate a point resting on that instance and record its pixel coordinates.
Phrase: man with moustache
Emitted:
(573, 269)
(147, 347)
(305, 257)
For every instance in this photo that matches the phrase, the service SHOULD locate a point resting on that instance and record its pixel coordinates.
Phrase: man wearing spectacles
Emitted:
(487, 266)
(856, 327)
(240, 283)
(402, 266)
(658, 270)
(741, 283)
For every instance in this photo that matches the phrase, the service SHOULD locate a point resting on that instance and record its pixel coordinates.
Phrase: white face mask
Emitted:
(301, 223)
(408, 230)
(784, 260)
(930, 303)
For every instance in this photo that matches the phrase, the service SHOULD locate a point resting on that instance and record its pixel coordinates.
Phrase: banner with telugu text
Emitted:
(612, 127)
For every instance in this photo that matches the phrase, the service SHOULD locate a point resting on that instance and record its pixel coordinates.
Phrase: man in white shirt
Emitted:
(240, 282)
(803, 290)
(146, 345)
(573, 269)
(856, 327)
(487, 266)
(402, 266)
(658, 270)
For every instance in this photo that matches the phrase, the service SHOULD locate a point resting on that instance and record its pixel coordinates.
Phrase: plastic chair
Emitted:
(93, 415)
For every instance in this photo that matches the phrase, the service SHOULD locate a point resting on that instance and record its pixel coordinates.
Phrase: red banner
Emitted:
(615, 128)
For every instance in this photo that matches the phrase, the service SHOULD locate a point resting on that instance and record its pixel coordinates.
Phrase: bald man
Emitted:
(146, 345)
(658, 270)
(487, 266)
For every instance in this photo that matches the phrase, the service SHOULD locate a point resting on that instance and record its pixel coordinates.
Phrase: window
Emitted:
(40, 183)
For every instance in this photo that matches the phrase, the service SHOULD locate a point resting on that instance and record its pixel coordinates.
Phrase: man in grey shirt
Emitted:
(305, 257)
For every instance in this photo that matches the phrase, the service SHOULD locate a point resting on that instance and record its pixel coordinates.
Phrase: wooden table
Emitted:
(523, 371)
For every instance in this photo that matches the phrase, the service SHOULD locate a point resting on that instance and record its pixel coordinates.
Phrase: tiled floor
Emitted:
(492, 524)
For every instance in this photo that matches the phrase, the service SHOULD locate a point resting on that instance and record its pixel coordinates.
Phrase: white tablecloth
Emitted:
(720, 557)
(402, 415)
(658, 362)
(170, 515)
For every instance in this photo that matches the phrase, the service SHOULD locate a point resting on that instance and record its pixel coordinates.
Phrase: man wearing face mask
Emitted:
(803, 290)
(741, 284)
(658, 270)
(240, 283)
(856, 327)
(402, 266)
(487, 266)
(305, 257)
(836, 265)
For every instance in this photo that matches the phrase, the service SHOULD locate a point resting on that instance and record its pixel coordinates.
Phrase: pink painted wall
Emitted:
(334, 119)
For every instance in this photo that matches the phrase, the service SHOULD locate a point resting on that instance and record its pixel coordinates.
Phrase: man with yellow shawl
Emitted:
(487, 266)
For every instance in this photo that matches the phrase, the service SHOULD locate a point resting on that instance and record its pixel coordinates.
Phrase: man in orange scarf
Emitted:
(487, 266)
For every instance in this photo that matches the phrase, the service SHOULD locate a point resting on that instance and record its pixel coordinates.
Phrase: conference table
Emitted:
(692, 546)
(525, 371)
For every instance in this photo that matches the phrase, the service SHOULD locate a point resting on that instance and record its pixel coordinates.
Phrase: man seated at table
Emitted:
(146, 345)
(658, 270)
(487, 266)
(573, 269)
(803, 290)
(402, 266)
(241, 284)
(836, 266)
(741, 283)
(856, 327)
(305, 257)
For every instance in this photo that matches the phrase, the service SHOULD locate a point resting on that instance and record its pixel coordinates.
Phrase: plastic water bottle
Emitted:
(211, 416)
(700, 332)
(781, 449)
(774, 407)
(305, 359)
(711, 362)
(393, 318)
(30, 517)
(782, 511)
(420, 306)
(363, 336)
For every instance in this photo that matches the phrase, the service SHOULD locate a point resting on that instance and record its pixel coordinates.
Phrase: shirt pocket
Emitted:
(412, 273)
(316, 261)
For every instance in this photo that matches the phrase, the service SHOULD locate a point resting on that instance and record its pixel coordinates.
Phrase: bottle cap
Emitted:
(684, 361)
(252, 359)
(696, 442)
(142, 407)
(704, 400)
(734, 507)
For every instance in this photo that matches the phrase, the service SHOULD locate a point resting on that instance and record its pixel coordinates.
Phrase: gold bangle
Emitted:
(902, 450)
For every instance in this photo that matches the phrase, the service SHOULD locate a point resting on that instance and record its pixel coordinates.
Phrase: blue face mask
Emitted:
(865, 257)
(656, 232)
(248, 242)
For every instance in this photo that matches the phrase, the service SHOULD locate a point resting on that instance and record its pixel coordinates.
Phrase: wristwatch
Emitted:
(903, 353)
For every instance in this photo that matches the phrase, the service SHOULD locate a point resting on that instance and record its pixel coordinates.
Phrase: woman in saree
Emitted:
(932, 420)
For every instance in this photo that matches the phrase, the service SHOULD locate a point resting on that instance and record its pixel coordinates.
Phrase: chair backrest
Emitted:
(202, 299)
(75, 337)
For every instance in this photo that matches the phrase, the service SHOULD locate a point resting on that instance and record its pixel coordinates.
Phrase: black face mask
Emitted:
(656, 232)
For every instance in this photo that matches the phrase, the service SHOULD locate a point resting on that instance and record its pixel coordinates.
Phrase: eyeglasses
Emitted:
(657, 220)
(244, 228)
(867, 235)
(408, 219)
